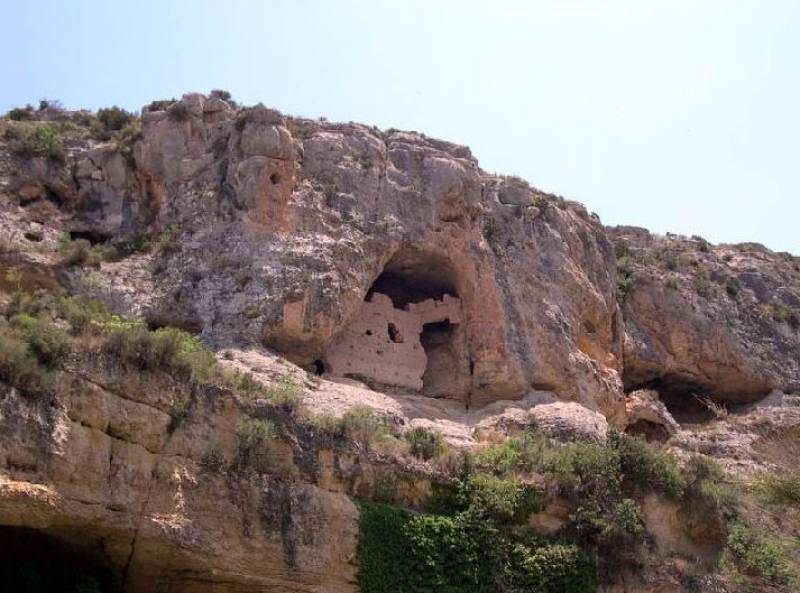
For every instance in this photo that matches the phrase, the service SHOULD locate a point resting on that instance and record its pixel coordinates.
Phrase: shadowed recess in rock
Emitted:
(36, 562)
(412, 276)
(408, 333)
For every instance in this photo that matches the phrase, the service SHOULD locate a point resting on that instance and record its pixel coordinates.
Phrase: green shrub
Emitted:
(21, 113)
(36, 140)
(213, 459)
(362, 424)
(784, 313)
(80, 311)
(255, 432)
(178, 112)
(167, 349)
(20, 367)
(326, 423)
(645, 467)
(554, 568)
(732, 287)
(224, 95)
(490, 229)
(242, 118)
(246, 385)
(286, 392)
(258, 438)
(160, 105)
(167, 241)
(47, 342)
(501, 500)
(425, 443)
(707, 486)
(402, 552)
(757, 553)
(543, 204)
(80, 252)
(114, 118)
(520, 453)
(780, 489)
(584, 469)
(178, 413)
(701, 284)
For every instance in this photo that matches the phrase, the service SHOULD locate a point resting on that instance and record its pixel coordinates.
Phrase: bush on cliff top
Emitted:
(28, 139)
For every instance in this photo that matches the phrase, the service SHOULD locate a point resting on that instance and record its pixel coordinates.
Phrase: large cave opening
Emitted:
(409, 333)
(414, 275)
(688, 402)
(33, 561)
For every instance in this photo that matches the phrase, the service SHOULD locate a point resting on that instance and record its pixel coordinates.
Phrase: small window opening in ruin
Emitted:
(394, 333)
(368, 332)
(275, 179)
(437, 342)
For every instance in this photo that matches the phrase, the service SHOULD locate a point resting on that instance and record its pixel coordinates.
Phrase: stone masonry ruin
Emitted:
(409, 331)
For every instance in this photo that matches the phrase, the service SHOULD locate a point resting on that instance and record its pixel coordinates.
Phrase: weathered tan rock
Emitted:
(718, 321)
(384, 344)
(80, 470)
(644, 406)
(277, 239)
(570, 421)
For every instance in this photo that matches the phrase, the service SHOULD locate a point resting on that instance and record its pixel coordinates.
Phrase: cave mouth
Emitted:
(37, 562)
(414, 275)
(686, 401)
(408, 334)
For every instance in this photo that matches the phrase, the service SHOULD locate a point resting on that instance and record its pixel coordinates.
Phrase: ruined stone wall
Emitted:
(383, 343)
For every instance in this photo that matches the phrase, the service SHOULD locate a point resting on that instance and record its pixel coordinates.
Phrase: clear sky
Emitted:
(677, 115)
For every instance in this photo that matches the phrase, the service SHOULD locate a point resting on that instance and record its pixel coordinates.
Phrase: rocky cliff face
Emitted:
(715, 320)
(267, 233)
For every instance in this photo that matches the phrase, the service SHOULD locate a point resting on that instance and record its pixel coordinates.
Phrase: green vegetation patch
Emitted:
(479, 547)
(34, 139)
(758, 553)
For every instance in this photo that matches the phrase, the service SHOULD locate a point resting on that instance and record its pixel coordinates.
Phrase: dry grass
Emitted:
(719, 411)
(780, 447)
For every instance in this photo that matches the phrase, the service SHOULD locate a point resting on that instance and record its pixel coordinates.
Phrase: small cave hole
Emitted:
(275, 179)
(318, 367)
(368, 332)
(93, 237)
(53, 197)
(33, 237)
(394, 333)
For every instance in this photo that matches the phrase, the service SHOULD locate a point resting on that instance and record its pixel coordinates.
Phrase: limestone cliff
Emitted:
(314, 251)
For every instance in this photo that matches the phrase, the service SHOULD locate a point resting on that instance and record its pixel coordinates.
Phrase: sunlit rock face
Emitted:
(279, 227)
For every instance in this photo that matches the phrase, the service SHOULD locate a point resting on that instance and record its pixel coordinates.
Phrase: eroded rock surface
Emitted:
(503, 309)
(279, 227)
(720, 321)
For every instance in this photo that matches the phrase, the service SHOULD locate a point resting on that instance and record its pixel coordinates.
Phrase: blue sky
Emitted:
(680, 116)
